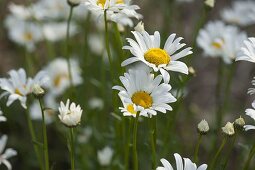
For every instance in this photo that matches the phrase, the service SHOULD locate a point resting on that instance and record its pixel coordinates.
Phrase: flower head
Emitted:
(228, 129)
(188, 164)
(203, 127)
(70, 114)
(104, 156)
(9, 152)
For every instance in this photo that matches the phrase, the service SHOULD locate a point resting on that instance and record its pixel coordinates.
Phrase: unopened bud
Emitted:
(210, 3)
(239, 123)
(38, 91)
(203, 127)
(192, 71)
(139, 27)
(73, 3)
(228, 129)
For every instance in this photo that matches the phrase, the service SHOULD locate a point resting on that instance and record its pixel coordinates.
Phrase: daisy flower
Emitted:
(241, 13)
(18, 85)
(9, 152)
(188, 164)
(149, 99)
(59, 78)
(250, 112)
(247, 52)
(147, 49)
(70, 114)
(104, 156)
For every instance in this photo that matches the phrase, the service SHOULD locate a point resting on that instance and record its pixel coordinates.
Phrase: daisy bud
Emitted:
(38, 91)
(203, 127)
(139, 27)
(70, 114)
(239, 123)
(73, 3)
(192, 71)
(210, 3)
(228, 129)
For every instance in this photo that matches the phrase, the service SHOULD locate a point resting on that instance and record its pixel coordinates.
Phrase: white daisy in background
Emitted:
(247, 52)
(180, 165)
(147, 49)
(104, 156)
(70, 113)
(2, 117)
(250, 112)
(20, 11)
(59, 78)
(85, 135)
(251, 90)
(96, 103)
(9, 152)
(241, 13)
(18, 85)
(220, 40)
(144, 93)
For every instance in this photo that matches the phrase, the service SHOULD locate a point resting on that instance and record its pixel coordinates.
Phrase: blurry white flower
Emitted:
(96, 103)
(251, 90)
(20, 11)
(239, 122)
(203, 127)
(220, 40)
(147, 49)
(2, 117)
(180, 165)
(85, 135)
(57, 31)
(38, 91)
(228, 129)
(104, 156)
(18, 86)
(9, 152)
(139, 27)
(250, 112)
(97, 39)
(59, 78)
(144, 93)
(210, 3)
(247, 52)
(241, 13)
(36, 114)
(70, 114)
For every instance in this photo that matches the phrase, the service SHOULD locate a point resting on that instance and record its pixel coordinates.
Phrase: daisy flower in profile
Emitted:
(147, 49)
(247, 52)
(250, 112)
(9, 152)
(144, 93)
(18, 85)
(241, 13)
(70, 114)
(188, 164)
(2, 117)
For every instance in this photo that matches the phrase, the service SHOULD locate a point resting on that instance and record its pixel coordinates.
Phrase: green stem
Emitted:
(34, 139)
(248, 161)
(197, 148)
(135, 158)
(153, 141)
(72, 148)
(216, 156)
(229, 152)
(68, 48)
(128, 145)
(45, 140)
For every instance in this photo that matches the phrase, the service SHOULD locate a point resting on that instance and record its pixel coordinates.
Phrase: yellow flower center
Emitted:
(17, 91)
(157, 56)
(57, 80)
(217, 45)
(142, 98)
(102, 2)
(28, 36)
(131, 109)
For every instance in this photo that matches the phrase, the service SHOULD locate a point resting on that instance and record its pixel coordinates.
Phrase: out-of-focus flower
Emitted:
(251, 90)
(210, 3)
(57, 31)
(70, 114)
(247, 52)
(228, 129)
(139, 27)
(38, 91)
(96, 103)
(147, 49)
(250, 112)
(241, 13)
(220, 40)
(149, 99)
(18, 86)
(85, 135)
(203, 127)
(104, 156)
(97, 39)
(20, 11)
(180, 165)
(2, 117)
(239, 122)
(9, 152)
(59, 78)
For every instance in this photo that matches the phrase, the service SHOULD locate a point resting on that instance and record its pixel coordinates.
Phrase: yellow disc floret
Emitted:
(102, 2)
(130, 108)
(217, 45)
(28, 36)
(58, 79)
(157, 56)
(142, 98)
